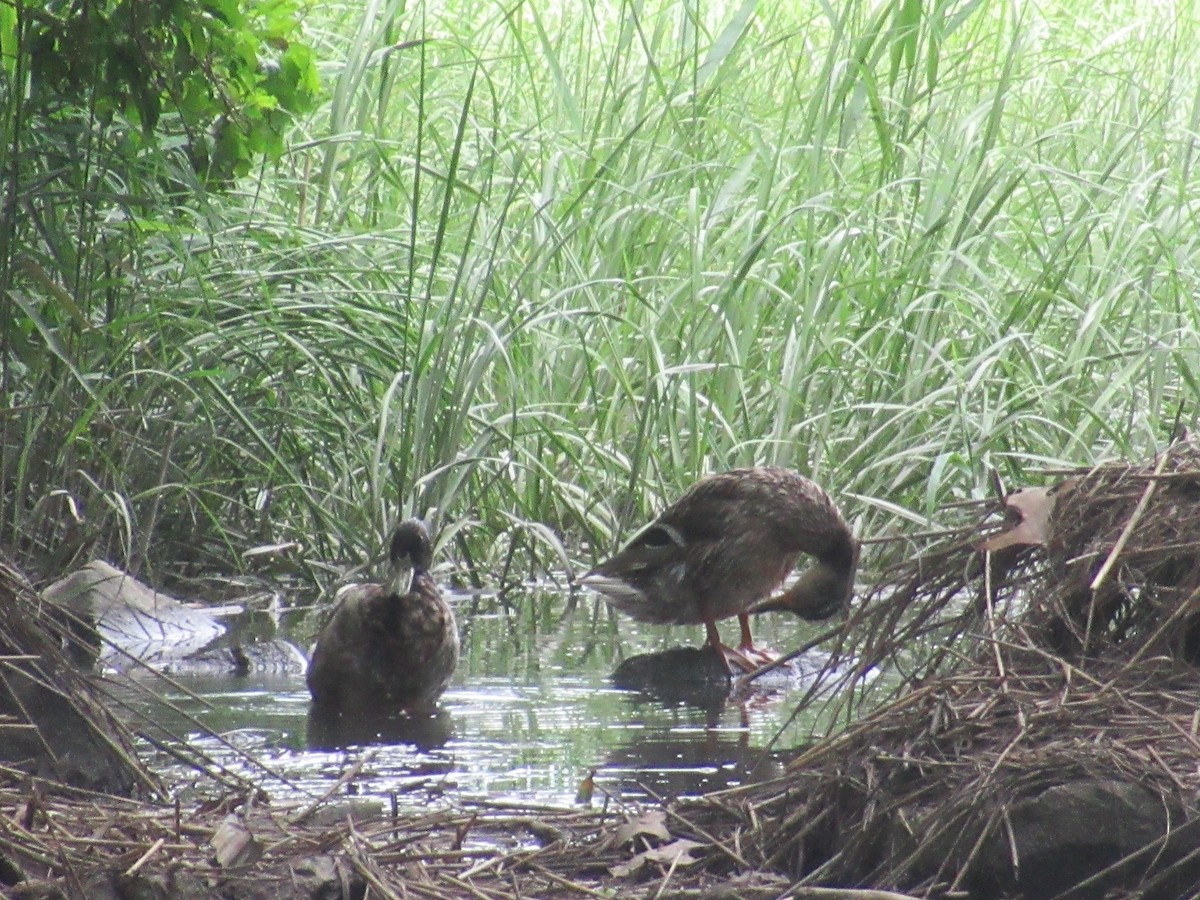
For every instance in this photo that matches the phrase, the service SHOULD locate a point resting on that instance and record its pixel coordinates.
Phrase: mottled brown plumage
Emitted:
(724, 546)
(390, 646)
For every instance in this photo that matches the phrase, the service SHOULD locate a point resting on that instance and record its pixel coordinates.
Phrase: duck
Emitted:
(724, 547)
(389, 647)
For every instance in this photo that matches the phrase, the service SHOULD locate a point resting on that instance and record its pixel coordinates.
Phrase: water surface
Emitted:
(530, 714)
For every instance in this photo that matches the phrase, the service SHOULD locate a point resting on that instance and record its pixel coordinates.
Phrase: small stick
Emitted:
(350, 775)
(564, 882)
(823, 893)
(1127, 531)
(666, 878)
(788, 657)
(145, 857)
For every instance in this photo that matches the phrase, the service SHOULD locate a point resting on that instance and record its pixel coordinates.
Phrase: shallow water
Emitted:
(530, 713)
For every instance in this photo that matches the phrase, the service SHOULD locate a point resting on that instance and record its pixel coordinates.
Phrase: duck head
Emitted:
(411, 551)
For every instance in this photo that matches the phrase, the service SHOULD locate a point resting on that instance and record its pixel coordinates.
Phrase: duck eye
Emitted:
(659, 536)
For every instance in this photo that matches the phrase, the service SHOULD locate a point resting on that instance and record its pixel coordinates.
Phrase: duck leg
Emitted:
(756, 655)
(745, 658)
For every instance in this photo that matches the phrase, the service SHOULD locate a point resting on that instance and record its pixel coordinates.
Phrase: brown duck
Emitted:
(391, 646)
(724, 546)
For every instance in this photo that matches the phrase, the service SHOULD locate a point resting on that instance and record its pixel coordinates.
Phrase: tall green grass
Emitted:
(530, 272)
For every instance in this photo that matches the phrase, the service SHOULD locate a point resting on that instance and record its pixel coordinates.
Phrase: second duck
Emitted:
(724, 546)
(392, 646)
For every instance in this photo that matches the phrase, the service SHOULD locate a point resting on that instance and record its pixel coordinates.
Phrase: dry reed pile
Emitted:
(1049, 744)
(51, 722)
(69, 844)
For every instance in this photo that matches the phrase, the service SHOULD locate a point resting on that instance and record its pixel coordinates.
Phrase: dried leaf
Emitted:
(677, 853)
(1033, 507)
(651, 823)
(234, 844)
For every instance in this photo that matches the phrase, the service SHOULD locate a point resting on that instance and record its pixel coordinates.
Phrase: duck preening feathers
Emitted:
(722, 548)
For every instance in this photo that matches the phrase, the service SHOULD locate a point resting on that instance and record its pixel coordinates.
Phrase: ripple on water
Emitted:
(530, 713)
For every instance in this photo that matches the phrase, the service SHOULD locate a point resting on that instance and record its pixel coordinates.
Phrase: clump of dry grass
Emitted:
(91, 846)
(1062, 690)
(51, 723)
(1123, 561)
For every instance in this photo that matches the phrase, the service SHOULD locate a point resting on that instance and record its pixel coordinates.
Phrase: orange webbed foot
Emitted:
(742, 660)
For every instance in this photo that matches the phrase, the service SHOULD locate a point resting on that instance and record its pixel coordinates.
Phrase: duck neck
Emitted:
(825, 587)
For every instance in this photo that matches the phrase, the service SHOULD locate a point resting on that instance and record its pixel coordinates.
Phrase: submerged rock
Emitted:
(271, 657)
(131, 622)
(697, 676)
(692, 675)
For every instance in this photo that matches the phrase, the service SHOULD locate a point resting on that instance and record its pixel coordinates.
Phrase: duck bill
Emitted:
(774, 604)
(401, 579)
(615, 590)
(808, 610)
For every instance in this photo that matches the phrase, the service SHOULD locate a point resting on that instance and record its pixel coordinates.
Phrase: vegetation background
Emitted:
(273, 275)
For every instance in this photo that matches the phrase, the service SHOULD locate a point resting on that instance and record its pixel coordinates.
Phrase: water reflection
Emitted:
(530, 713)
(337, 730)
(685, 762)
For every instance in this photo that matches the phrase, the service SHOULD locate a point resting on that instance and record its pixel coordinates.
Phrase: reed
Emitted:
(528, 272)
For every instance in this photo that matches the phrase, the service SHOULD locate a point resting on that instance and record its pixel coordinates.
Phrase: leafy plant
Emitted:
(530, 272)
(222, 78)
